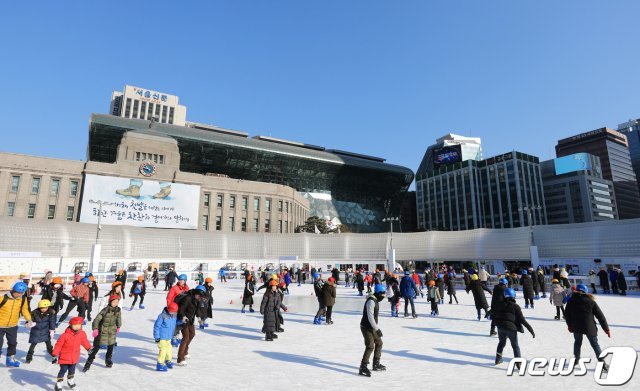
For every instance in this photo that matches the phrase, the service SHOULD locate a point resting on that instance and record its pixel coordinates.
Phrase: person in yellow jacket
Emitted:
(11, 306)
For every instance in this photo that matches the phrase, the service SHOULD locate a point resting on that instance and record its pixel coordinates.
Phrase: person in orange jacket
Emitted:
(79, 297)
(180, 287)
(67, 352)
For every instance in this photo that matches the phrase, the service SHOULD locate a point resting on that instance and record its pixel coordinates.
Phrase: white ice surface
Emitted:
(449, 352)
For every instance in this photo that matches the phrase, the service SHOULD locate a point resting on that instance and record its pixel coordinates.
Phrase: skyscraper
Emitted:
(611, 147)
(631, 129)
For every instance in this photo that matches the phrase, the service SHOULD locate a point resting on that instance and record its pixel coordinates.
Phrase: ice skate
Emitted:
(498, 358)
(168, 364)
(71, 383)
(58, 386)
(364, 371)
(165, 190)
(161, 367)
(378, 367)
(131, 191)
(11, 362)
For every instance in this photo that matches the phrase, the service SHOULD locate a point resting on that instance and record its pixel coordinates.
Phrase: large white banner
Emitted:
(140, 202)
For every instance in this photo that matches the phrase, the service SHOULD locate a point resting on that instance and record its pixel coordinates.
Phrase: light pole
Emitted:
(529, 209)
(96, 248)
(392, 257)
(99, 227)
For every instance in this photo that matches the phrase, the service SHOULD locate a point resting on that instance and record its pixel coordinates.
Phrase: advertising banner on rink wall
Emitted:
(139, 202)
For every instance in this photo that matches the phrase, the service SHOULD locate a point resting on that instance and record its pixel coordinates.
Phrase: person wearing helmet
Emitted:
(79, 296)
(433, 293)
(54, 292)
(163, 331)
(155, 278)
(280, 318)
(371, 331)
(223, 275)
(359, 282)
(138, 290)
(269, 308)
(476, 287)
(317, 290)
(180, 287)
(527, 288)
(272, 277)
(188, 304)
(509, 320)
(408, 290)
(170, 279)
(557, 297)
(44, 326)
(105, 328)
(541, 282)
(394, 286)
(329, 297)
(249, 291)
(203, 305)
(497, 297)
(451, 287)
(579, 316)
(46, 280)
(122, 277)
(208, 312)
(12, 305)
(67, 352)
(286, 278)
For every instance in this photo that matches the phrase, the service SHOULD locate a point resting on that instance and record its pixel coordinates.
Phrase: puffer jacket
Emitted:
(43, 323)
(67, 348)
(80, 292)
(107, 323)
(407, 287)
(579, 313)
(477, 289)
(557, 295)
(11, 310)
(527, 286)
(269, 309)
(329, 295)
(164, 326)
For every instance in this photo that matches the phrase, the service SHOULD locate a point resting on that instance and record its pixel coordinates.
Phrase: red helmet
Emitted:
(331, 279)
(76, 320)
(114, 297)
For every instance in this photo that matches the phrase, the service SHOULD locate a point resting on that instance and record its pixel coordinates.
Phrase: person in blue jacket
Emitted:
(287, 281)
(408, 291)
(163, 330)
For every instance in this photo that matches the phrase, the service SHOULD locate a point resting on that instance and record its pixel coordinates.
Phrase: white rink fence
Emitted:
(35, 245)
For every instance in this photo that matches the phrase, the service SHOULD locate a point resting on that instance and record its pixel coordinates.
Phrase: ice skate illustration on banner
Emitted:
(165, 190)
(133, 190)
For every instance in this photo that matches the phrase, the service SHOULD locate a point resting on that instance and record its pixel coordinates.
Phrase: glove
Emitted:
(51, 334)
(118, 330)
(379, 333)
(608, 332)
(185, 320)
(570, 329)
(54, 360)
(286, 310)
(157, 340)
(90, 351)
(28, 324)
(95, 333)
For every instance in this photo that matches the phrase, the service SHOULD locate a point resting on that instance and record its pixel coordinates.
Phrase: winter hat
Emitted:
(76, 320)
(114, 297)
(173, 308)
(273, 283)
(331, 279)
(524, 272)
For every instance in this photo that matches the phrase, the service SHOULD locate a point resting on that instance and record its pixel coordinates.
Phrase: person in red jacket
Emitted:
(79, 297)
(67, 351)
(180, 287)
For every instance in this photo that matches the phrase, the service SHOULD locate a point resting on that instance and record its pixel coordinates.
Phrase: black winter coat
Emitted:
(329, 295)
(171, 277)
(535, 281)
(467, 279)
(188, 306)
(269, 308)
(527, 286)
(249, 291)
(541, 282)
(360, 281)
(579, 313)
(42, 324)
(604, 278)
(622, 283)
(498, 296)
(477, 289)
(508, 315)
(451, 286)
(48, 293)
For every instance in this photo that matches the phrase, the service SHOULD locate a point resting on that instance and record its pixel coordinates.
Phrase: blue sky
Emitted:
(384, 78)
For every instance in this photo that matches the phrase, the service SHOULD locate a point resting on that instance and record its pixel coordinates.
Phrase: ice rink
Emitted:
(450, 352)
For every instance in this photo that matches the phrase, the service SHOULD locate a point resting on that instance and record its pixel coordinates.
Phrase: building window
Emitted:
(232, 224)
(161, 159)
(207, 199)
(232, 202)
(205, 222)
(150, 111)
(31, 211)
(35, 186)
(15, 183)
(243, 224)
(164, 114)
(256, 203)
(127, 109)
(286, 207)
(267, 225)
(279, 226)
(218, 223)
(52, 212)
(286, 227)
(70, 213)
(256, 226)
(135, 108)
(245, 203)
(157, 117)
(143, 109)
(11, 206)
(170, 115)
(73, 189)
(267, 204)
(280, 206)
(219, 201)
(55, 187)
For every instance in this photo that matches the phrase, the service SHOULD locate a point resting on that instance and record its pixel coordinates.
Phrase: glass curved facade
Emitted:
(351, 190)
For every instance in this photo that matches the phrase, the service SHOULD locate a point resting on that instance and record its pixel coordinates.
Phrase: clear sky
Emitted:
(383, 78)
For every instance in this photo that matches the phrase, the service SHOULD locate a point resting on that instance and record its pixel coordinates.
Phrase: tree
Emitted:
(314, 222)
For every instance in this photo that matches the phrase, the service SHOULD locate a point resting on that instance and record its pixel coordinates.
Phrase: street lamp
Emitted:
(529, 209)
(391, 253)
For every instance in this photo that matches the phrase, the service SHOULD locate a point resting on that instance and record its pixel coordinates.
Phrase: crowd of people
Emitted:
(185, 308)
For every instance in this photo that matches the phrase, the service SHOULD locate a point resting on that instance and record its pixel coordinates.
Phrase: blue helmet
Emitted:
(316, 276)
(582, 288)
(19, 287)
(504, 281)
(85, 281)
(406, 272)
(201, 288)
(379, 288)
(182, 277)
(87, 274)
(524, 272)
(509, 292)
(440, 275)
